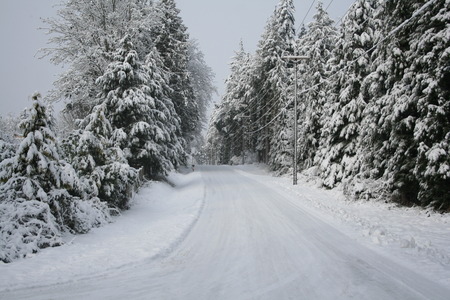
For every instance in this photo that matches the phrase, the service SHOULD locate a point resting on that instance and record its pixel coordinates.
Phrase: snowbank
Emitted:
(158, 220)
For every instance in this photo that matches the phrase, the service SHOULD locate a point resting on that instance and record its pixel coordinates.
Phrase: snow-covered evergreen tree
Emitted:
(145, 125)
(407, 63)
(429, 79)
(7, 150)
(7, 141)
(35, 172)
(233, 116)
(276, 41)
(202, 83)
(393, 135)
(172, 40)
(27, 222)
(103, 170)
(38, 194)
(351, 61)
(281, 144)
(317, 44)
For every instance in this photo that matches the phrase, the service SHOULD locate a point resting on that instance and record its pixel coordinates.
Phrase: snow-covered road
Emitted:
(251, 241)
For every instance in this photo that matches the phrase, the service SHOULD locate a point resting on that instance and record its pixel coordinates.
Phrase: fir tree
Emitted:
(35, 172)
(277, 40)
(351, 62)
(202, 83)
(172, 43)
(145, 125)
(34, 193)
(429, 79)
(102, 168)
(317, 45)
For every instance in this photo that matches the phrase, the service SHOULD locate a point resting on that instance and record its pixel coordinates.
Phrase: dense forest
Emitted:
(373, 110)
(137, 89)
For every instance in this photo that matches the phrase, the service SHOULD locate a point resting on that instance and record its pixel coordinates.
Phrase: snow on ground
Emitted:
(158, 220)
(416, 237)
(142, 244)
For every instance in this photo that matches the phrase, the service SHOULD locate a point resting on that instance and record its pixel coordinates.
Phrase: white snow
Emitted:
(239, 233)
(418, 238)
(160, 216)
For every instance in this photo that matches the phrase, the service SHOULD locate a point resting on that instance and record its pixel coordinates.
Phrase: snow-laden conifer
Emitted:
(102, 168)
(317, 44)
(171, 41)
(35, 172)
(277, 41)
(351, 61)
(229, 118)
(39, 195)
(202, 78)
(144, 122)
(429, 80)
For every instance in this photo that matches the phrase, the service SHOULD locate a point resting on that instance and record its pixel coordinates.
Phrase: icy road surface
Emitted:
(251, 241)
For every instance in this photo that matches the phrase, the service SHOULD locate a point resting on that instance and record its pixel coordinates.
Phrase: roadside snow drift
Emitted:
(159, 218)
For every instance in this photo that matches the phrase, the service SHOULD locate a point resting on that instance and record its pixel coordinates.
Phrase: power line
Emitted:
(328, 6)
(392, 32)
(344, 15)
(306, 15)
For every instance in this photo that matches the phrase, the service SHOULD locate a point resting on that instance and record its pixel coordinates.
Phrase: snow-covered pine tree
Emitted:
(38, 192)
(102, 168)
(281, 144)
(351, 61)
(408, 62)
(277, 40)
(389, 118)
(429, 82)
(317, 44)
(145, 125)
(165, 123)
(202, 83)
(238, 106)
(35, 172)
(7, 150)
(397, 113)
(172, 40)
(7, 143)
(214, 141)
(234, 114)
(255, 95)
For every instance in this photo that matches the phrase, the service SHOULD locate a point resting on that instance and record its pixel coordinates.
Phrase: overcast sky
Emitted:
(218, 25)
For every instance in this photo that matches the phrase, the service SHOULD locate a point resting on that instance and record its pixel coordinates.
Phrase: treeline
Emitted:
(374, 101)
(137, 89)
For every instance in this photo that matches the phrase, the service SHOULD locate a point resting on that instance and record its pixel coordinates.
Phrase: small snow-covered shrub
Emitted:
(118, 184)
(235, 160)
(358, 188)
(250, 158)
(25, 227)
(78, 215)
(7, 150)
(87, 214)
